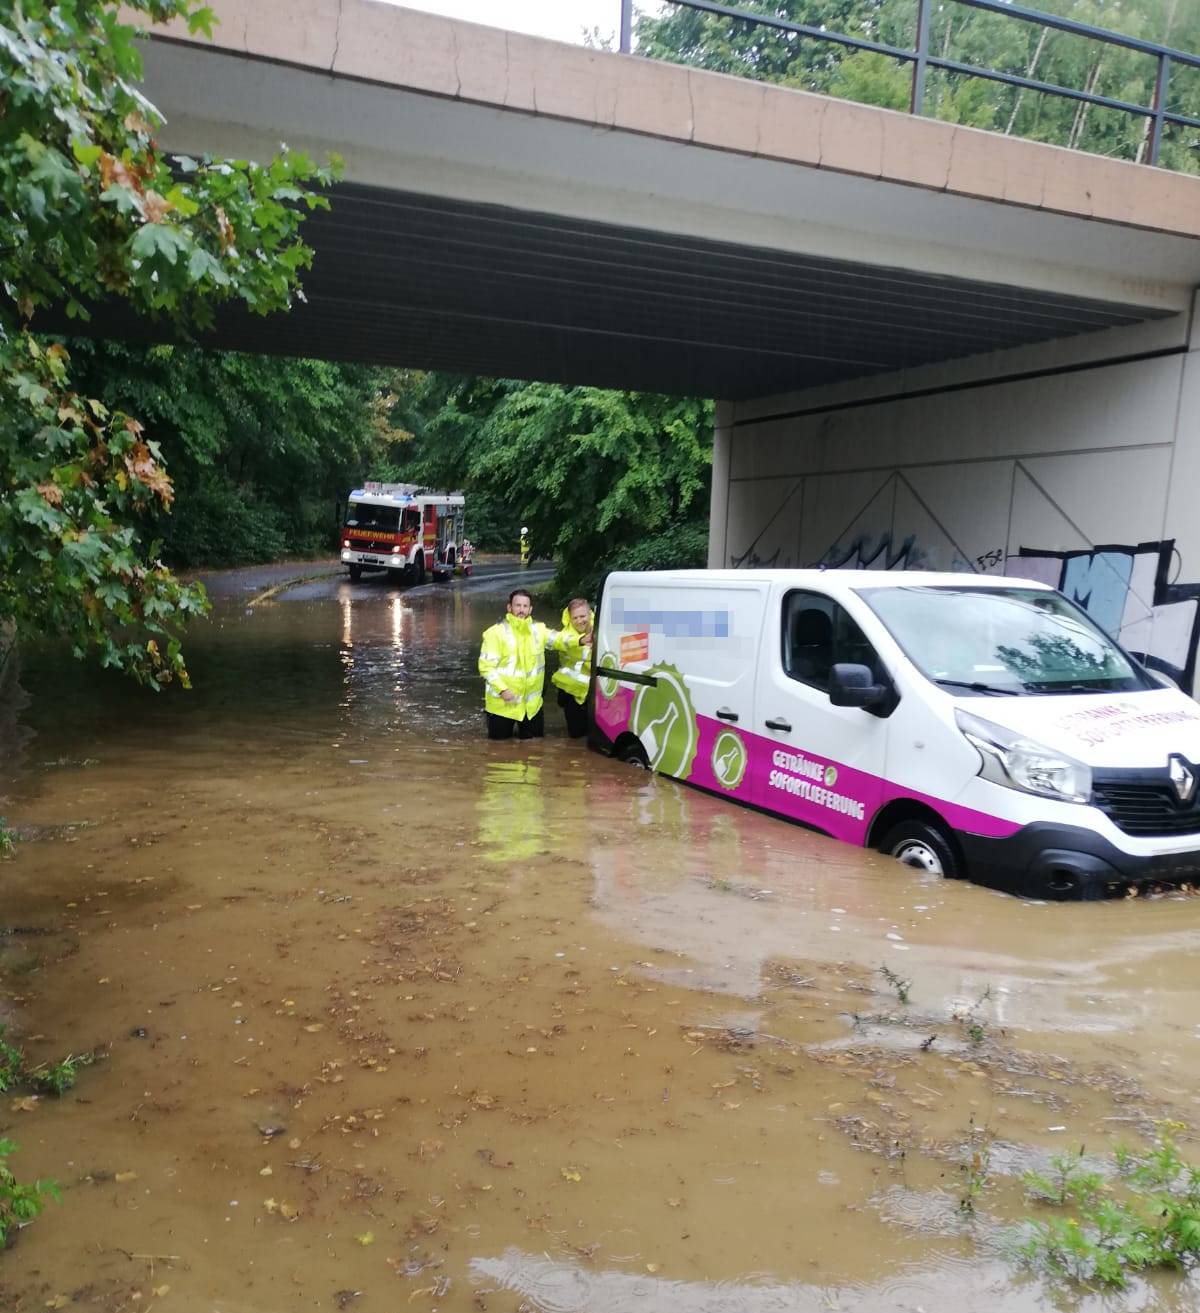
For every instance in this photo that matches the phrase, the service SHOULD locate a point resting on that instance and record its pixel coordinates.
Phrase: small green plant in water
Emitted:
(56, 1078)
(12, 1062)
(53, 1078)
(8, 838)
(975, 1170)
(898, 983)
(1150, 1219)
(19, 1204)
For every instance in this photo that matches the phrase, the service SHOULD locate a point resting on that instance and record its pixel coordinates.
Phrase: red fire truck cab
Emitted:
(406, 530)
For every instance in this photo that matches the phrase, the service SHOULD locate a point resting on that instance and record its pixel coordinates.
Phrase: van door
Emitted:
(826, 764)
(684, 656)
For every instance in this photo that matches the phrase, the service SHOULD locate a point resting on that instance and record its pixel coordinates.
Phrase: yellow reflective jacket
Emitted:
(513, 657)
(575, 671)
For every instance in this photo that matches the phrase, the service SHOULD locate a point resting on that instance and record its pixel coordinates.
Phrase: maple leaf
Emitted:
(114, 172)
(224, 229)
(156, 207)
(142, 465)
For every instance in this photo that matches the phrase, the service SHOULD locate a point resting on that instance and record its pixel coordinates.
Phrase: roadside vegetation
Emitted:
(262, 452)
(603, 480)
(22, 1202)
(1143, 1215)
(90, 210)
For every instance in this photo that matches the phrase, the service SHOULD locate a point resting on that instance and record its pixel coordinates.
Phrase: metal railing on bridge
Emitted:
(1157, 114)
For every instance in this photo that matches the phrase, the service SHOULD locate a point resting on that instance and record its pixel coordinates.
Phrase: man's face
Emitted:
(580, 617)
(520, 606)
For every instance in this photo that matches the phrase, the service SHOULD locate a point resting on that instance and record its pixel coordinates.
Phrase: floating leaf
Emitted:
(571, 1174)
(367, 1238)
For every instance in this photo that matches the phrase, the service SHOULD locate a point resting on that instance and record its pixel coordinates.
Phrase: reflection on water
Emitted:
(512, 811)
(510, 1026)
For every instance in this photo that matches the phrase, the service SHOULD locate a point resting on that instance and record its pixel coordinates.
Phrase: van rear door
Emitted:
(821, 764)
(692, 649)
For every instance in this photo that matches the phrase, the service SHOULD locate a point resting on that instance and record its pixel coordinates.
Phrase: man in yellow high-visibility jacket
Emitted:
(512, 661)
(574, 672)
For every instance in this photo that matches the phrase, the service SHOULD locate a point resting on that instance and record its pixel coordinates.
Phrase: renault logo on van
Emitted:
(1183, 778)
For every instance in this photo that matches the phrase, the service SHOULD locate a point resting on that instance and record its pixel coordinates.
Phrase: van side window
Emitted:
(818, 634)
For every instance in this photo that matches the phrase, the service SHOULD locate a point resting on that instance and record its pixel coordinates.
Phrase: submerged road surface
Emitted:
(388, 1017)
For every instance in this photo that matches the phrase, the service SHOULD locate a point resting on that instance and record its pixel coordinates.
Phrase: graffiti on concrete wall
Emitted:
(750, 560)
(875, 551)
(1131, 591)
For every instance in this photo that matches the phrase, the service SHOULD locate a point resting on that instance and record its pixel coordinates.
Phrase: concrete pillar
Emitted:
(719, 504)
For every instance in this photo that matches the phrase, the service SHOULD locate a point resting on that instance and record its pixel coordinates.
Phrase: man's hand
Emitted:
(586, 640)
(508, 695)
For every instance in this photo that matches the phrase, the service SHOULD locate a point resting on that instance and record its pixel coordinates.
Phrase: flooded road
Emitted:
(395, 1018)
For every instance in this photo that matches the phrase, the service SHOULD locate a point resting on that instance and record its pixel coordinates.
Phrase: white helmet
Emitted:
(524, 529)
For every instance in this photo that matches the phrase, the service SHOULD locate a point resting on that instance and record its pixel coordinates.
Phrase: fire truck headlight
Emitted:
(345, 542)
(395, 551)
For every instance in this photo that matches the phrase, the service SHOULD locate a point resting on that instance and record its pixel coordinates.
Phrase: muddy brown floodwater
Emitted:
(393, 1018)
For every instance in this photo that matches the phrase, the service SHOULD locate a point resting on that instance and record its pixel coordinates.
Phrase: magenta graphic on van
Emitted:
(750, 768)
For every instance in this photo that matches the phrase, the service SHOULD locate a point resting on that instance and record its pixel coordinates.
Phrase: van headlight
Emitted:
(1019, 763)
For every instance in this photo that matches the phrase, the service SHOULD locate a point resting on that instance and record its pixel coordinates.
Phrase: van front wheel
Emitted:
(923, 845)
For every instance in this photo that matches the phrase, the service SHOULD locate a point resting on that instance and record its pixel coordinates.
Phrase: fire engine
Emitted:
(404, 529)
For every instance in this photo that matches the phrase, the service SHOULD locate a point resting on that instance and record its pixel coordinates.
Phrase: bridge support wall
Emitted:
(1084, 473)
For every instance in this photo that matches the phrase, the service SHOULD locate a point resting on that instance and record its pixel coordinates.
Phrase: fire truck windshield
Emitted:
(362, 515)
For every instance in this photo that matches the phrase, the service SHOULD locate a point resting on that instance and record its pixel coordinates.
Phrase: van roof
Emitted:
(838, 578)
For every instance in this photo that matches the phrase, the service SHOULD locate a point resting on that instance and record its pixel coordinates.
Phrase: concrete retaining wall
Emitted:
(1084, 474)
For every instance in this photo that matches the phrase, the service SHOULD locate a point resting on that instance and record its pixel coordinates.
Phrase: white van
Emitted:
(969, 725)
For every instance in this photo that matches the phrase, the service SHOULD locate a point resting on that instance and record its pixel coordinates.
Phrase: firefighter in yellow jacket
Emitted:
(512, 661)
(574, 671)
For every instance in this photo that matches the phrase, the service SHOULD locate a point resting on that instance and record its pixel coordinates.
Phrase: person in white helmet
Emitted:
(524, 545)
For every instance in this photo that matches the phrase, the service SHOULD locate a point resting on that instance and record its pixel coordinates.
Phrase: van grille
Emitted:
(1149, 808)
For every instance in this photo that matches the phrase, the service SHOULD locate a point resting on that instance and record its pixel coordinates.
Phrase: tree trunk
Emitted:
(1081, 114)
(1029, 72)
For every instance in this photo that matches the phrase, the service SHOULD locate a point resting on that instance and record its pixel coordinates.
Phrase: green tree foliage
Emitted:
(90, 209)
(599, 477)
(969, 36)
(262, 450)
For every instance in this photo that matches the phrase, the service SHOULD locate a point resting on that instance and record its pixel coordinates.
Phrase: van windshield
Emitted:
(996, 641)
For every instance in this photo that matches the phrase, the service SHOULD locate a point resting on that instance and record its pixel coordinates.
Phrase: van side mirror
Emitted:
(854, 686)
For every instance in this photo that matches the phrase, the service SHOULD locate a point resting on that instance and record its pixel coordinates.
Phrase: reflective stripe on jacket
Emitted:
(513, 657)
(574, 673)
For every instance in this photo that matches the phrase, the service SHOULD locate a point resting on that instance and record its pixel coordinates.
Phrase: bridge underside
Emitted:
(414, 280)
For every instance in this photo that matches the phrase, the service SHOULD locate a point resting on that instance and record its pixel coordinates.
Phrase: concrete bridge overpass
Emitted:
(519, 207)
(931, 345)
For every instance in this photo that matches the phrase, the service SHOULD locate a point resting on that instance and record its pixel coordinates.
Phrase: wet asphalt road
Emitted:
(324, 577)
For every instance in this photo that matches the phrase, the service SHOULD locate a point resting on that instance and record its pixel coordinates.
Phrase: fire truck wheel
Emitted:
(355, 573)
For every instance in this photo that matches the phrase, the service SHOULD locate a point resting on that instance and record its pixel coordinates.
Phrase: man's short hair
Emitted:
(520, 592)
(578, 601)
